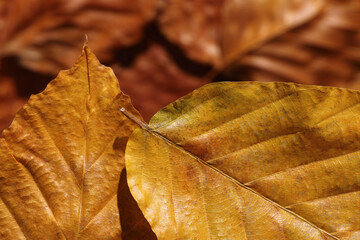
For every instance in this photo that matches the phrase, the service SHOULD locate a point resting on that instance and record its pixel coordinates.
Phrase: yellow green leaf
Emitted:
(62, 156)
(251, 161)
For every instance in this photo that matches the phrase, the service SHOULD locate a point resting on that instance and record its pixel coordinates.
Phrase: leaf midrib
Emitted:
(201, 161)
(79, 230)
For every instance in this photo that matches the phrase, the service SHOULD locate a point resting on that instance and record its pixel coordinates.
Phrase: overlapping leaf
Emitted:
(62, 156)
(251, 161)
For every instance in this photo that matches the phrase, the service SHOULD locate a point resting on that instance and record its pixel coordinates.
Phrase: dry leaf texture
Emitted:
(251, 161)
(325, 51)
(217, 31)
(62, 156)
(44, 34)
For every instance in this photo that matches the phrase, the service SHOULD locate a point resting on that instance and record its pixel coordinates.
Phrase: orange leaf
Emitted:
(252, 161)
(62, 157)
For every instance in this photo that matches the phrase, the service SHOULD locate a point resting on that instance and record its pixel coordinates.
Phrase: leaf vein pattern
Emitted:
(281, 224)
(321, 161)
(337, 113)
(171, 186)
(40, 190)
(298, 132)
(190, 110)
(55, 145)
(202, 162)
(234, 119)
(245, 225)
(99, 211)
(81, 200)
(258, 143)
(218, 126)
(203, 200)
(323, 198)
(352, 231)
(13, 215)
(104, 149)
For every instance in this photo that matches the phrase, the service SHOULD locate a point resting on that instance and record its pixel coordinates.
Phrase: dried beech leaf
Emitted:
(62, 156)
(325, 51)
(216, 32)
(45, 35)
(251, 161)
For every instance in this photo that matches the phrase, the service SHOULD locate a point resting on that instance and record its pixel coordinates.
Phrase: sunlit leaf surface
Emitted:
(251, 161)
(62, 156)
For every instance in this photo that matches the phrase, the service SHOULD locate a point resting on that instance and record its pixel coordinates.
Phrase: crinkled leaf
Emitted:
(62, 157)
(251, 161)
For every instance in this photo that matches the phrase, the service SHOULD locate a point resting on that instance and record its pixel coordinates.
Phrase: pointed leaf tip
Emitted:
(63, 149)
(86, 40)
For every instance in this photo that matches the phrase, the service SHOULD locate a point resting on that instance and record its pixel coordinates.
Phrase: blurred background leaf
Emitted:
(47, 36)
(324, 51)
(163, 49)
(217, 31)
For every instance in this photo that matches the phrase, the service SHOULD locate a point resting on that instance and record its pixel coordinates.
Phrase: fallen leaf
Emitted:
(324, 51)
(62, 156)
(216, 32)
(45, 34)
(251, 160)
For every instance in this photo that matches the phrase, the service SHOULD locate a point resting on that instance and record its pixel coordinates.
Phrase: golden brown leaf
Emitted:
(251, 161)
(44, 34)
(325, 51)
(62, 156)
(216, 32)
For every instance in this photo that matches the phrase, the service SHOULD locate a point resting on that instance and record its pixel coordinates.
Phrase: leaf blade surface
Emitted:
(62, 157)
(287, 144)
